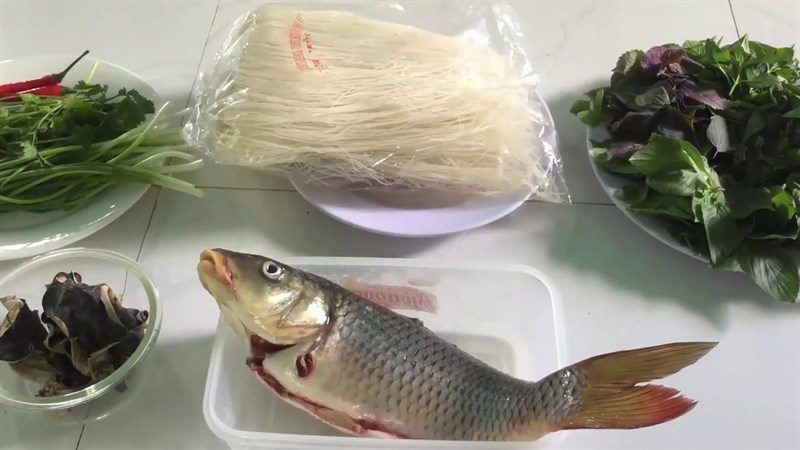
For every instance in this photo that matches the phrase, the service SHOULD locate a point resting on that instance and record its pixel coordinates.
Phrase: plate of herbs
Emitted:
(78, 148)
(699, 144)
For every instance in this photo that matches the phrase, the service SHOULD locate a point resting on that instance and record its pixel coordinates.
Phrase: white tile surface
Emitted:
(19, 432)
(619, 288)
(776, 22)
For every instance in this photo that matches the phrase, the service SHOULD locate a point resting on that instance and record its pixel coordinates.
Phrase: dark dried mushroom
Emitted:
(89, 335)
(21, 332)
(22, 341)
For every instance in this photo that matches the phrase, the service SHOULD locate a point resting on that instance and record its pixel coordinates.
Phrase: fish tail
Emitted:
(604, 391)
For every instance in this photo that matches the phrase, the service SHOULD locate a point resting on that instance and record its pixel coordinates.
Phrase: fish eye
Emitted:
(272, 271)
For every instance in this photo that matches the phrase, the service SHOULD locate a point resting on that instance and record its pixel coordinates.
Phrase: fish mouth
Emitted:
(214, 265)
(216, 275)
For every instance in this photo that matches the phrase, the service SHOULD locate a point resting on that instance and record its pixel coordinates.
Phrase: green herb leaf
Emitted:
(755, 124)
(672, 206)
(763, 81)
(681, 182)
(579, 106)
(717, 134)
(790, 234)
(692, 235)
(633, 193)
(721, 230)
(29, 150)
(56, 151)
(593, 116)
(653, 98)
(745, 201)
(590, 118)
(623, 149)
(615, 165)
(793, 114)
(772, 268)
(628, 61)
(664, 154)
(783, 203)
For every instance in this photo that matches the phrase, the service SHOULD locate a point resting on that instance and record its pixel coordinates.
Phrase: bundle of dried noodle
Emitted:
(344, 97)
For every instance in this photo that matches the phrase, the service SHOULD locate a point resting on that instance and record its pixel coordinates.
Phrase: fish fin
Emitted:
(611, 397)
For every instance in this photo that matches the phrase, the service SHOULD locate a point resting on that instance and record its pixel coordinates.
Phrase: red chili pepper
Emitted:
(24, 86)
(53, 90)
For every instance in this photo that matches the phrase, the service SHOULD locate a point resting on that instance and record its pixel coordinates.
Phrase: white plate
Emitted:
(415, 213)
(653, 225)
(27, 234)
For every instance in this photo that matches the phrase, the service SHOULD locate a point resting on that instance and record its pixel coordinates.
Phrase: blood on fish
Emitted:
(374, 425)
(256, 366)
(304, 365)
(356, 426)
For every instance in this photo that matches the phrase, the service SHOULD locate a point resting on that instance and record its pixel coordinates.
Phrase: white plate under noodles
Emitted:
(415, 213)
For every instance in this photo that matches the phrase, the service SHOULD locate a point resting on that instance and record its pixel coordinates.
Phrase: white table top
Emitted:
(619, 288)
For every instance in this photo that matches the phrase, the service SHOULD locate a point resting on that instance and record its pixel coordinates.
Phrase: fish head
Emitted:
(262, 297)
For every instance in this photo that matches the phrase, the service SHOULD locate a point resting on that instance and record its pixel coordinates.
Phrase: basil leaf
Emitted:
(615, 165)
(590, 118)
(579, 106)
(590, 112)
(793, 114)
(721, 230)
(717, 133)
(790, 234)
(664, 154)
(623, 149)
(772, 268)
(783, 204)
(681, 182)
(763, 80)
(628, 65)
(692, 236)
(632, 194)
(665, 205)
(745, 201)
(653, 98)
(754, 124)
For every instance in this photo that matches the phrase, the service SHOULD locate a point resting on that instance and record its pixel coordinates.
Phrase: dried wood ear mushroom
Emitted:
(85, 334)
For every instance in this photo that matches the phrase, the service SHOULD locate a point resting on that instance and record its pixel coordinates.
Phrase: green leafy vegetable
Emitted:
(772, 268)
(663, 154)
(61, 152)
(708, 137)
(590, 112)
(721, 230)
(671, 206)
(681, 182)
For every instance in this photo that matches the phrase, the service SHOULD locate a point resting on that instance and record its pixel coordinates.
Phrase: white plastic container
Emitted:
(505, 315)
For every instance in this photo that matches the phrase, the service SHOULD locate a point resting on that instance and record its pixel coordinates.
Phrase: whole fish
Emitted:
(366, 370)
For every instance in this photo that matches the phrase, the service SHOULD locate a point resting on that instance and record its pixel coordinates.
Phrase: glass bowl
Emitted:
(126, 278)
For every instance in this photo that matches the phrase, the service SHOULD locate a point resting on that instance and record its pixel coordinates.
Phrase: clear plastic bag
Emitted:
(405, 95)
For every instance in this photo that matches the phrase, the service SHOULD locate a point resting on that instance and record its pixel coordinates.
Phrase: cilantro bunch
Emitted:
(709, 138)
(59, 152)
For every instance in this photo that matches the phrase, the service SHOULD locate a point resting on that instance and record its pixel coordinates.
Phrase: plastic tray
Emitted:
(505, 315)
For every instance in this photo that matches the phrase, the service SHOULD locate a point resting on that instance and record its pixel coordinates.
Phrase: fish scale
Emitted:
(453, 394)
